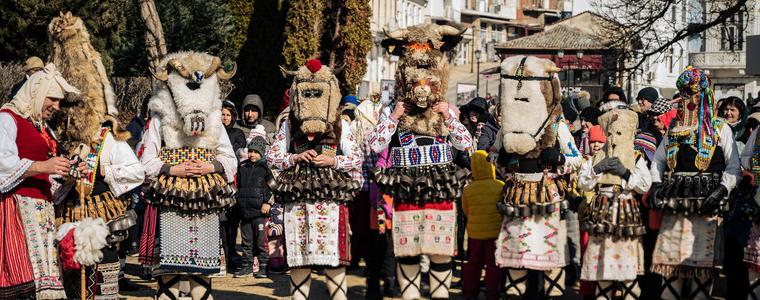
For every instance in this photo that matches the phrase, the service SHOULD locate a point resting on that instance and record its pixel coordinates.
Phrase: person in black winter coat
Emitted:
(254, 199)
(479, 122)
(229, 116)
(230, 220)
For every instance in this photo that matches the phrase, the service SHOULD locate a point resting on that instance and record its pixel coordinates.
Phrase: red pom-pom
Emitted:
(67, 249)
(313, 65)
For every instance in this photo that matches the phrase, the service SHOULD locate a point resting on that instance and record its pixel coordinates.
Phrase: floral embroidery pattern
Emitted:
(312, 234)
(39, 223)
(189, 244)
(428, 231)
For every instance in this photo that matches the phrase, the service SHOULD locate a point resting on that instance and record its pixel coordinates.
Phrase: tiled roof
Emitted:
(560, 37)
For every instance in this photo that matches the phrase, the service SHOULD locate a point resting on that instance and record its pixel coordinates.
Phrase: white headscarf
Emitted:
(30, 98)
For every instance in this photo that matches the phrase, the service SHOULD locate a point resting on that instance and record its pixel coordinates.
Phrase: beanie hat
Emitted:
(614, 90)
(596, 134)
(258, 144)
(648, 93)
(646, 143)
(584, 100)
(350, 99)
(590, 114)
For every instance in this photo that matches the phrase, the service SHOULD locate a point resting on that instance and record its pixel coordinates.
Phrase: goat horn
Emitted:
(177, 66)
(396, 34)
(162, 75)
(552, 69)
(449, 30)
(224, 75)
(215, 63)
(287, 72)
(338, 69)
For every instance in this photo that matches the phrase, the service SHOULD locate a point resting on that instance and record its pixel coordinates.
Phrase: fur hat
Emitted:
(648, 93)
(596, 134)
(33, 63)
(258, 144)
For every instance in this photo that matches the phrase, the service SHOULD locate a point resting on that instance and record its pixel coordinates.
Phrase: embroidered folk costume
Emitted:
(312, 191)
(30, 266)
(90, 209)
(613, 220)
(537, 147)
(190, 163)
(422, 179)
(694, 168)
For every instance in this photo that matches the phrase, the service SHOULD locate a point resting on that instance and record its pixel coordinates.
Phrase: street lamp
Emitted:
(477, 73)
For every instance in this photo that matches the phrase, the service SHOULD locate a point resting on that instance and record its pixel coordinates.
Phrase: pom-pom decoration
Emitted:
(314, 65)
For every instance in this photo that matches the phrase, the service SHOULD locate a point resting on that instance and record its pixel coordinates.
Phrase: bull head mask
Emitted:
(315, 98)
(191, 78)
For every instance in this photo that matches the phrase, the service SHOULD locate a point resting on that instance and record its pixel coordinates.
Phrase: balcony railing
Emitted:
(718, 60)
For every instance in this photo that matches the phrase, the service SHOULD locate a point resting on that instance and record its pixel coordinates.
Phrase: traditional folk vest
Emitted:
(31, 145)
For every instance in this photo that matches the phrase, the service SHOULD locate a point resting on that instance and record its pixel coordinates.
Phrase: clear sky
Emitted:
(580, 6)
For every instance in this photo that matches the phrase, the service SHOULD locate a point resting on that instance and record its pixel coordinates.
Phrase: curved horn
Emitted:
(287, 72)
(396, 34)
(177, 66)
(215, 63)
(449, 30)
(224, 75)
(550, 67)
(338, 69)
(162, 75)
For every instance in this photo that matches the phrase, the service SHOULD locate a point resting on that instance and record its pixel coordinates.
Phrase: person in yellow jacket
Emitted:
(483, 226)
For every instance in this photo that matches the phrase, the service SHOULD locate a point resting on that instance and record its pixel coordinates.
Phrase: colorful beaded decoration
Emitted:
(704, 138)
(177, 156)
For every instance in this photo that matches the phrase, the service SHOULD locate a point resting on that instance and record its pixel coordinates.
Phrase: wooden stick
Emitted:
(83, 281)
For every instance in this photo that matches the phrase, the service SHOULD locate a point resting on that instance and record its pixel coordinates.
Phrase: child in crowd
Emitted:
(596, 142)
(479, 205)
(255, 200)
(276, 237)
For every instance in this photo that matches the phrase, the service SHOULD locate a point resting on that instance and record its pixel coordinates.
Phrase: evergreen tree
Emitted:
(354, 43)
(199, 25)
(303, 29)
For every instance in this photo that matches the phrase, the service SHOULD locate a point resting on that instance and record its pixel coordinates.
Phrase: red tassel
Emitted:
(313, 65)
(67, 249)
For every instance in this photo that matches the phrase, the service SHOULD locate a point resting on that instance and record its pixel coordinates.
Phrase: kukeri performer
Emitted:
(321, 171)
(191, 165)
(90, 227)
(537, 147)
(28, 156)
(694, 168)
(750, 158)
(616, 174)
(420, 132)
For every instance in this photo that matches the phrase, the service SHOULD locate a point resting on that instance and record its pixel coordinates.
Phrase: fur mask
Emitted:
(315, 99)
(530, 97)
(619, 126)
(422, 72)
(187, 98)
(80, 63)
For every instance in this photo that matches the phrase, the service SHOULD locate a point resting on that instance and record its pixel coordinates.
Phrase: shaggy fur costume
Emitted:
(181, 107)
(421, 77)
(620, 127)
(308, 114)
(81, 64)
(526, 109)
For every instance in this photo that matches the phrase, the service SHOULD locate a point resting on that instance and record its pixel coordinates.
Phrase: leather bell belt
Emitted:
(685, 193)
(422, 184)
(193, 195)
(306, 182)
(523, 198)
(608, 214)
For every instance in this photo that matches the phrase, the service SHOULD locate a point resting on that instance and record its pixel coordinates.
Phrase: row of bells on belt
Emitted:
(438, 181)
(613, 229)
(538, 209)
(310, 182)
(687, 206)
(196, 201)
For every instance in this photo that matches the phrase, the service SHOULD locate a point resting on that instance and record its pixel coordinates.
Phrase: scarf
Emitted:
(30, 98)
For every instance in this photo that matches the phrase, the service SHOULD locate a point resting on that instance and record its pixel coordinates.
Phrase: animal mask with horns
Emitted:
(315, 97)
(530, 104)
(187, 97)
(422, 72)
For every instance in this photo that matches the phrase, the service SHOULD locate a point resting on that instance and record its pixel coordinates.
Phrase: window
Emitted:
(732, 34)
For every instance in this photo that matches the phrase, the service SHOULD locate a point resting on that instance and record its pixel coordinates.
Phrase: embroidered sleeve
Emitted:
(352, 157)
(151, 147)
(383, 133)
(567, 144)
(586, 177)
(12, 167)
(459, 136)
(641, 179)
(225, 156)
(733, 170)
(121, 169)
(277, 154)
